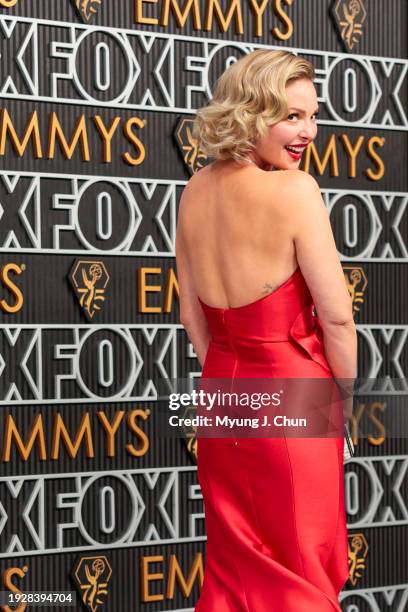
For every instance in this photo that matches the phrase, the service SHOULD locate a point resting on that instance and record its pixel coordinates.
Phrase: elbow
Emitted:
(349, 322)
(343, 318)
(186, 321)
(340, 323)
(184, 317)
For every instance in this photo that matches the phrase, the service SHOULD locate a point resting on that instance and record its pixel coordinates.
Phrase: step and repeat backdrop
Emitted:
(97, 103)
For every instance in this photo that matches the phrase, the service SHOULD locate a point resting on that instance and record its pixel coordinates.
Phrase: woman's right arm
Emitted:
(321, 268)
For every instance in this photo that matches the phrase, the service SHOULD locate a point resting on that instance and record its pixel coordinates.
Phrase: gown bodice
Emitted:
(260, 330)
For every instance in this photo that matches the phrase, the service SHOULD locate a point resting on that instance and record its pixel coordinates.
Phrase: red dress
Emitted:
(274, 508)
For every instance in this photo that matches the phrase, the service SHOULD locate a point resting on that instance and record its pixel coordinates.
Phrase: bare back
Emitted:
(239, 244)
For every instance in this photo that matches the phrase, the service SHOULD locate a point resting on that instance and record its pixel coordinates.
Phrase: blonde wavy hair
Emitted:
(248, 98)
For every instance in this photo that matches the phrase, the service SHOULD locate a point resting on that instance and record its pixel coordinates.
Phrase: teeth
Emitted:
(294, 150)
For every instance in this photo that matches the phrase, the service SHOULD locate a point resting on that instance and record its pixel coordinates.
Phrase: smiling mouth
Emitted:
(295, 151)
(298, 149)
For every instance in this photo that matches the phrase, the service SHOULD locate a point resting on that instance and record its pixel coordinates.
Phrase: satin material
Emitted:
(274, 508)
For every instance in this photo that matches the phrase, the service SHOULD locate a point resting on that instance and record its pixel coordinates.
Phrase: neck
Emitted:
(260, 164)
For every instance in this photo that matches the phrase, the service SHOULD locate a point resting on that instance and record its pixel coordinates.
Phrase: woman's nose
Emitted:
(309, 130)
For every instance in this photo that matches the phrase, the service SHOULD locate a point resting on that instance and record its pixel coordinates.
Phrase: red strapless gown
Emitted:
(274, 508)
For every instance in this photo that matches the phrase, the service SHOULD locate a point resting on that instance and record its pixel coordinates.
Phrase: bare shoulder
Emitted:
(193, 191)
(202, 175)
(295, 181)
(300, 192)
(291, 181)
(196, 181)
(293, 192)
(189, 190)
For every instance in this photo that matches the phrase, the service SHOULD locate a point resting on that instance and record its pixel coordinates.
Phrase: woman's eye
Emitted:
(315, 115)
(290, 117)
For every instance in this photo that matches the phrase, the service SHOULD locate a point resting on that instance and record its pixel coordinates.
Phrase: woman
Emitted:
(255, 256)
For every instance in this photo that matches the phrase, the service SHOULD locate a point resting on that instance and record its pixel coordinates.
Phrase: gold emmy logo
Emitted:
(350, 16)
(87, 8)
(356, 282)
(92, 576)
(357, 553)
(193, 156)
(190, 431)
(7, 3)
(192, 445)
(89, 280)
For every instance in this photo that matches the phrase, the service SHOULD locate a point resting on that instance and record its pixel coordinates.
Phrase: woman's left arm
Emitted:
(191, 314)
